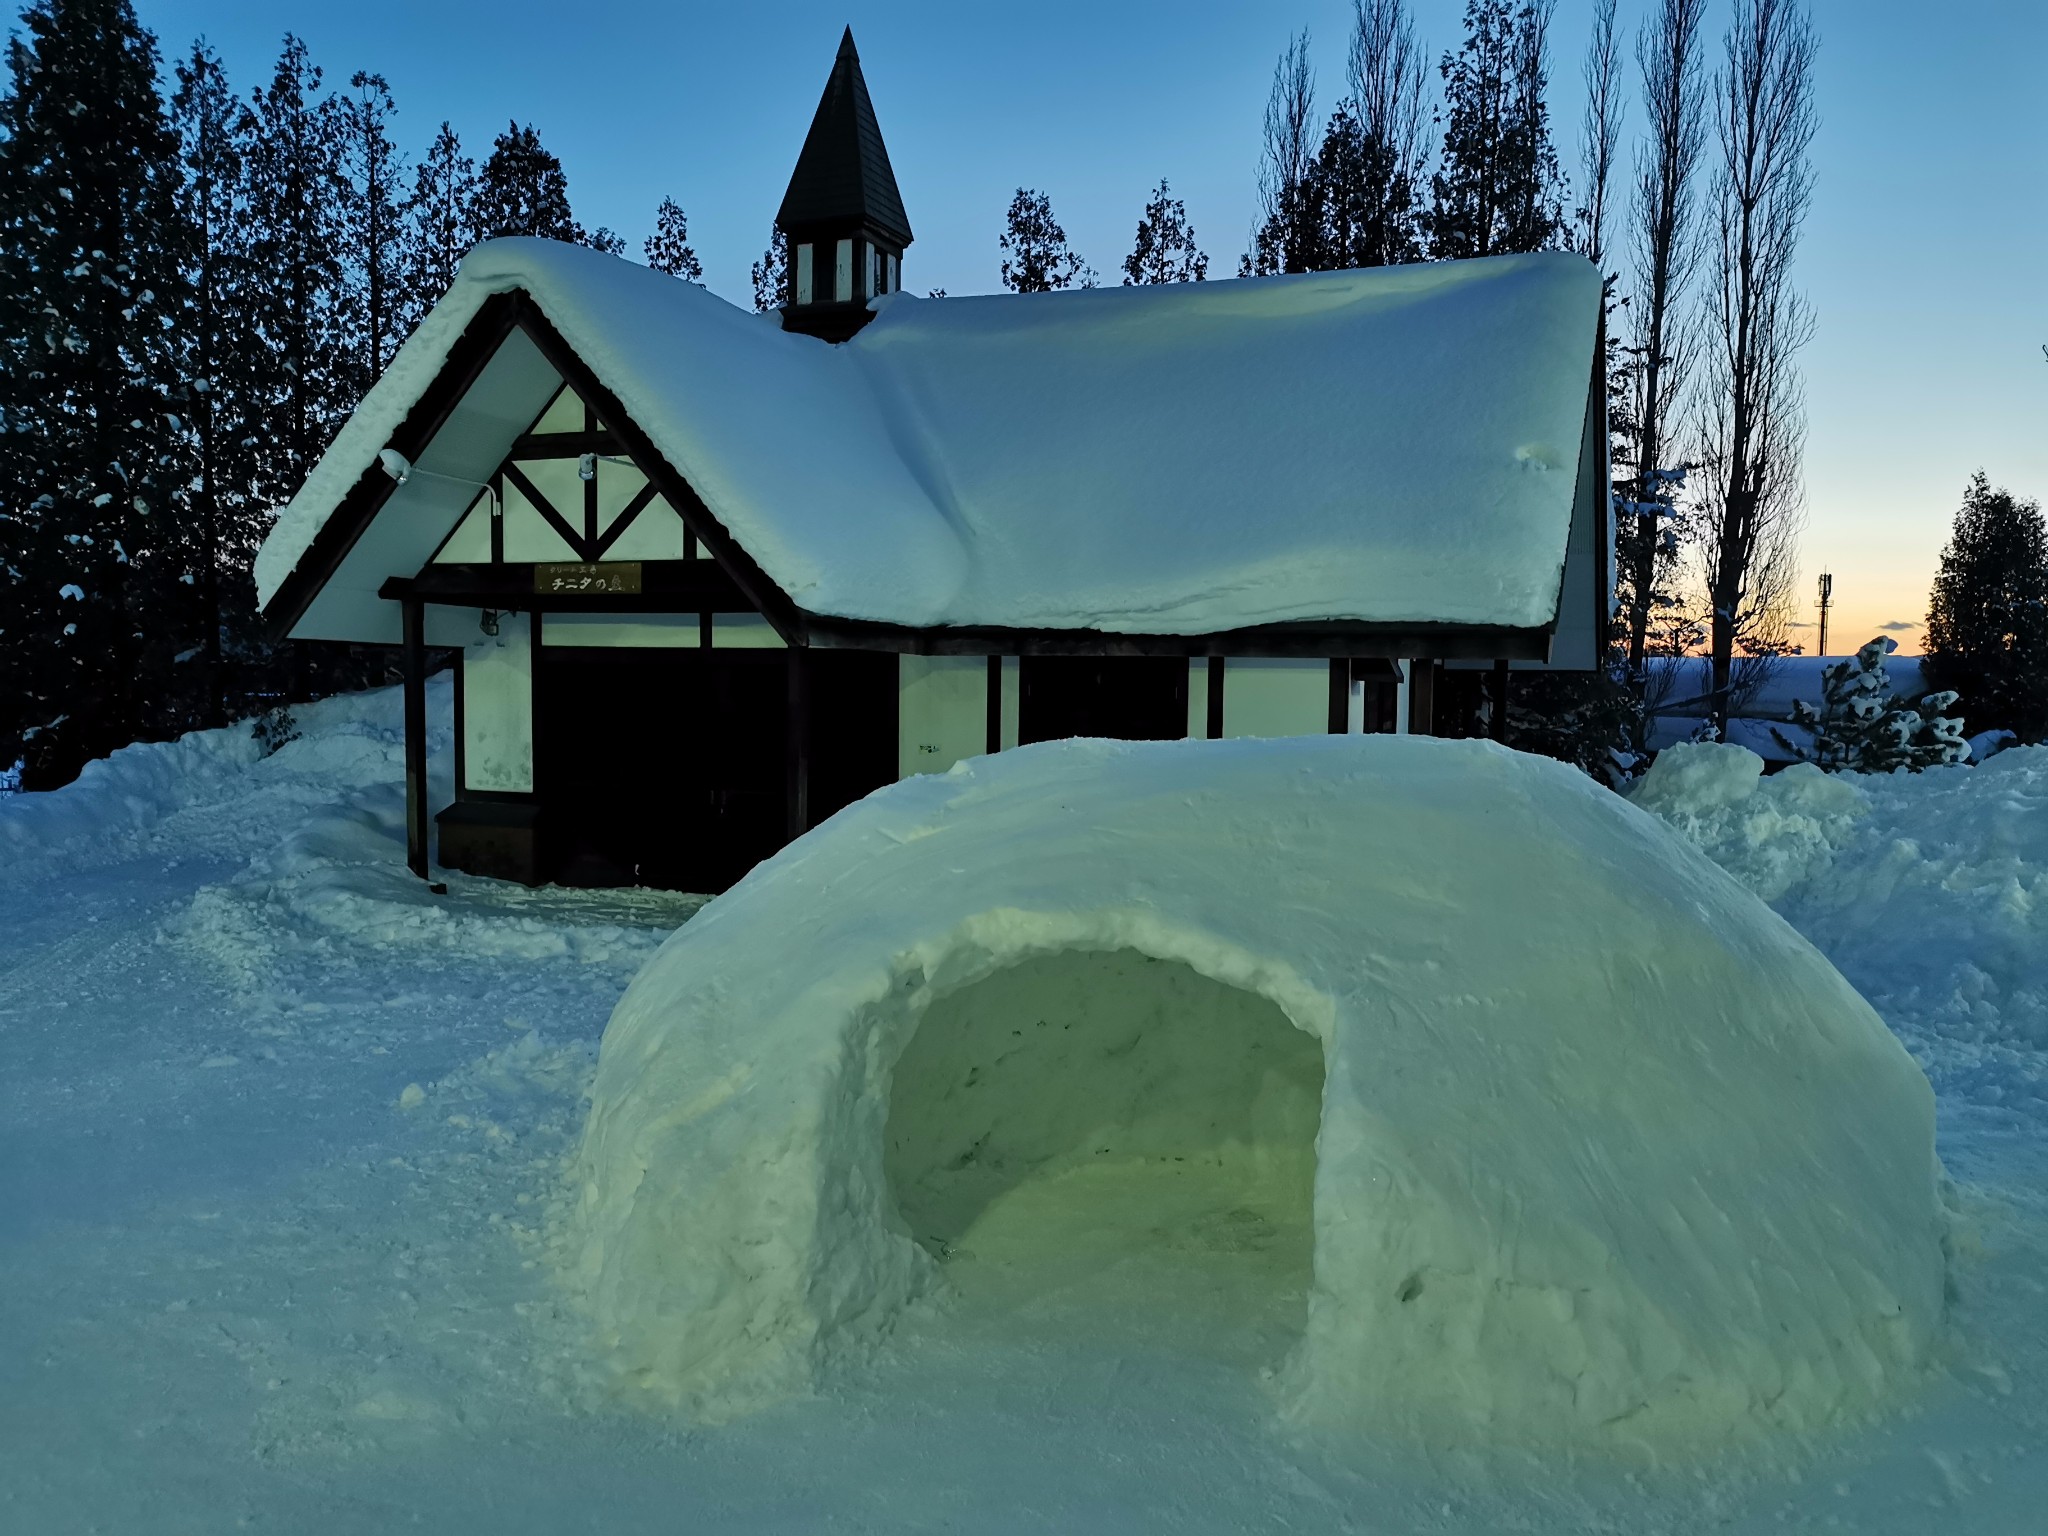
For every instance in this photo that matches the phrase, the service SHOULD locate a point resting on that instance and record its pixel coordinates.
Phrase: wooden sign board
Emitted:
(570, 580)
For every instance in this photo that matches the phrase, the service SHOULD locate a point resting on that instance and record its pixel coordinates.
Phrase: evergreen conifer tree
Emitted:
(216, 363)
(1498, 186)
(523, 191)
(771, 273)
(438, 231)
(373, 223)
(90, 450)
(1861, 727)
(668, 248)
(1036, 257)
(1987, 620)
(296, 199)
(1165, 251)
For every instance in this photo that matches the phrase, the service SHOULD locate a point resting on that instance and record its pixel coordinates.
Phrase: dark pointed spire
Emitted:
(843, 174)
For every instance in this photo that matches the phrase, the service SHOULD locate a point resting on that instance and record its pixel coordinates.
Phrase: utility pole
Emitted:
(1827, 596)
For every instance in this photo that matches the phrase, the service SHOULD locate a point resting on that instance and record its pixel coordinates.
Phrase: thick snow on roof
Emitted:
(1399, 445)
(1604, 1154)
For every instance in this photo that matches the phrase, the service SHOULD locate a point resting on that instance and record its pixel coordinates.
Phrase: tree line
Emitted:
(197, 285)
(1695, 226)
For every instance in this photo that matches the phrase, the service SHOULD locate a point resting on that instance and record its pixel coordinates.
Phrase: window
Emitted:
(842, 273)
(878, 271)
(803, 274)
(895, 274)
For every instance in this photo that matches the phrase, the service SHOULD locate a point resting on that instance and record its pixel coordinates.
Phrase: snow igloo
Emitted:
(1564, 1138)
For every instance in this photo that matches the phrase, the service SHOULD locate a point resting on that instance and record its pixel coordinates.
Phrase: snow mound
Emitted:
(1929, 890)
(1590, 1148)
(1770, 833)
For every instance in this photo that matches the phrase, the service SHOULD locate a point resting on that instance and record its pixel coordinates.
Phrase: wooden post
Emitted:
(1215, 698)
(1340, 695)
(993, 727)
(799, 742)
(1422, 698)
(412, 630)
(1500, 701)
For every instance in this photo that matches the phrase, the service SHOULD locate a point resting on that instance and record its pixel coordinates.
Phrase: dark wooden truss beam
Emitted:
(565, 445)
(575, 538)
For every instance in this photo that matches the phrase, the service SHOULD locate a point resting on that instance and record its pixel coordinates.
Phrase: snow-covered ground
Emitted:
(282, 1136)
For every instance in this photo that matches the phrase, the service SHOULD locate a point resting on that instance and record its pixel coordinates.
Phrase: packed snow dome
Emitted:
(1557, 1135)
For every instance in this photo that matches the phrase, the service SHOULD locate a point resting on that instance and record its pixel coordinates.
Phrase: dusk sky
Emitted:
(1924, 258)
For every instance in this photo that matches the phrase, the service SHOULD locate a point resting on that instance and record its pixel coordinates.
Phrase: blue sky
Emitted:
(1925, 257)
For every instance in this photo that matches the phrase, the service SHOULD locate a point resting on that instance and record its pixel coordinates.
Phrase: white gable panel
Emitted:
(565, 414)
(656, 534)
(470, 543)
(529, 536)
(508, 393)
(617, 485)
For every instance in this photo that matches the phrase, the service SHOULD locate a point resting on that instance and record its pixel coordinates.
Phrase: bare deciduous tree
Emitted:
(1284, 166)
(1752, 424)
(1662, 216)
(1601, 130)
(1386, 71)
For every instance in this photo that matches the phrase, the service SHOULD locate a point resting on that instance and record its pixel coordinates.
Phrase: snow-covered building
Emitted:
(713, 575)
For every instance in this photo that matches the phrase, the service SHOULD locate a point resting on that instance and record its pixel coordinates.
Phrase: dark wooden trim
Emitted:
(1318, 640)
(497, 518)
(1422, 698)
(412, 624)
(461, 754)
(642, 500)
(1340, 695)
(704, 627)
(590, 511)
(798, 755)
(666, 586)
(564, 445)
(546, 509)
(499, 796)
(472, 351)
(1603, 495)
(763, 595)
(1215, 723)
(1501, 674)
(994, 691)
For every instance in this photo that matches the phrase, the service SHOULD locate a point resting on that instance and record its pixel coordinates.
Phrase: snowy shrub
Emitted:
(274, 728)
(1862, 727)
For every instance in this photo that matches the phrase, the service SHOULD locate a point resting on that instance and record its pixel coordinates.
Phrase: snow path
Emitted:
(241, 1286)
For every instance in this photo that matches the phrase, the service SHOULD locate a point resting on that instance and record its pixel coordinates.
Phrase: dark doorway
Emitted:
(1131, 698)
(853, 727)
(661, 767)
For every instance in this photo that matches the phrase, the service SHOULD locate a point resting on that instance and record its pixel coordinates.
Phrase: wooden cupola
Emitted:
(842, 214)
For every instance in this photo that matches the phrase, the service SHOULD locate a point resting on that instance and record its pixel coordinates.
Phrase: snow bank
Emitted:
(1604, 1154)
(1770, 833)
(344, 740)
(1929, 890)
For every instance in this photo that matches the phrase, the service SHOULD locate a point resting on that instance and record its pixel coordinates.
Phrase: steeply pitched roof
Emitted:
(843, 172)
(1407, 445)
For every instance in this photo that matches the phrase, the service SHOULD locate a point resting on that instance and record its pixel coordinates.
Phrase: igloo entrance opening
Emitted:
(1103, 1126)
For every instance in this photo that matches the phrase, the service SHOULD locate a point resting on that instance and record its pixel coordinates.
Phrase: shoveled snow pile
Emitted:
(1588, 1146)
(1929, 890)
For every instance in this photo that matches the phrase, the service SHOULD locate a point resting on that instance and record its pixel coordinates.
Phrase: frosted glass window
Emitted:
(803, 274)
(842, 272)
(895, 277)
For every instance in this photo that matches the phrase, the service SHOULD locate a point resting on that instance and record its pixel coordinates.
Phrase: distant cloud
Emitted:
(1799, 624)
(1895, 625)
